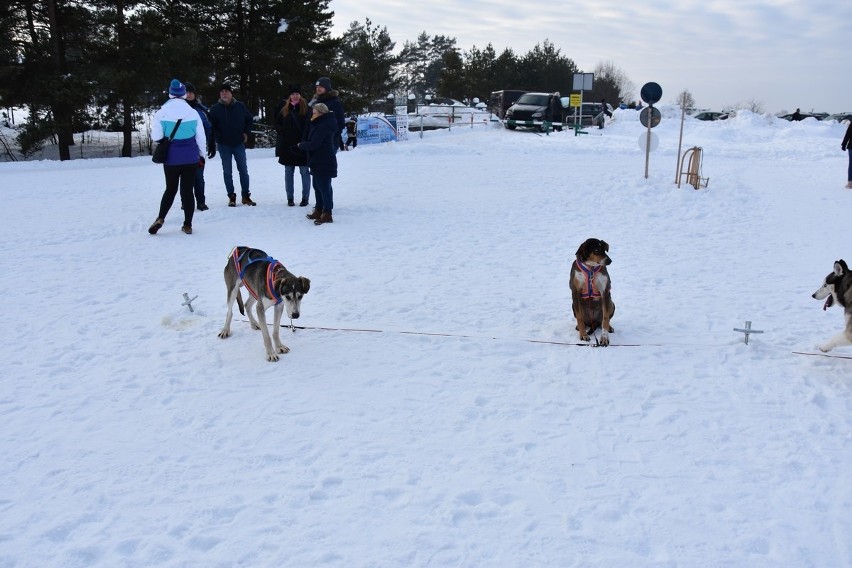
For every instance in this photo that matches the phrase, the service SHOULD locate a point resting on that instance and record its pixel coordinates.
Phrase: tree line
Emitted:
(83, 64)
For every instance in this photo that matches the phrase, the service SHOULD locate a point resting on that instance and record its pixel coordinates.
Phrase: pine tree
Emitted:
(366, 64)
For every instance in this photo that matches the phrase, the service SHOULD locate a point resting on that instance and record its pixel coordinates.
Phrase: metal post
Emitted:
(680, 139)
(648, 141)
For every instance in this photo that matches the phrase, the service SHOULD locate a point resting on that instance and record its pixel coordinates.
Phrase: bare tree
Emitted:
(752, 105)
(609, 72)
(686, 100)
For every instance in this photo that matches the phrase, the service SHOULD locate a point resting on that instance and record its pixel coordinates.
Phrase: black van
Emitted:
(500, 101)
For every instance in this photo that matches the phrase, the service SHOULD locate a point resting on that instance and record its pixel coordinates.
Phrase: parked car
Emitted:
(586, 115)
(841, 117)
(711, 115)
(535, 110)
(500, 101)
(804, 115)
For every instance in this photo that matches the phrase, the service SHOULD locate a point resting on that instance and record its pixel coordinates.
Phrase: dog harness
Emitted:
(270, 274)
(591, 292)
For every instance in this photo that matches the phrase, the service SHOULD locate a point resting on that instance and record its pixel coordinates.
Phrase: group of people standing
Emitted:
(308, 137)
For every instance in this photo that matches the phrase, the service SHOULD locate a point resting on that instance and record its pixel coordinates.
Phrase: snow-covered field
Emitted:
(464, 429)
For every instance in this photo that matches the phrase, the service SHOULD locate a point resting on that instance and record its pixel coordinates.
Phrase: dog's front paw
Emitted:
(272, 357)
(283, 348)
(584, 337)
(826, 348)
(255, 326)
(604, 339)
(225, 333)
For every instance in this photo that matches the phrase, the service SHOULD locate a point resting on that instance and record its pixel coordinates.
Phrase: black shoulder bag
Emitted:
(162, 149)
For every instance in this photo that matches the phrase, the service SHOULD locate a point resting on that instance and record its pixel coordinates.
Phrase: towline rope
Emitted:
(293, 328)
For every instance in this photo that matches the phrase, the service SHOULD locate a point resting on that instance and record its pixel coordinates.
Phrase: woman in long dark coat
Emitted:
(290, 124)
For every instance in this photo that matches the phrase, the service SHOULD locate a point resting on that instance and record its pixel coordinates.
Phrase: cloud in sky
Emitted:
(780, 53)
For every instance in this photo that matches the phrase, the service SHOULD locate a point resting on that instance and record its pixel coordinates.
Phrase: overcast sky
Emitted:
(780, 53)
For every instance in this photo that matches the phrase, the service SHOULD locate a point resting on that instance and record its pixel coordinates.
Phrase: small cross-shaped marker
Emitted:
(747, 331)
(188, 302)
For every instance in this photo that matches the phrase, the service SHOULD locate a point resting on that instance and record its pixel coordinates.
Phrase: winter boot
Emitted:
(156, 226)
(186, 229)
(317, 213)
(303, 203)
(232, 200)
(247, 200)
(324, 218)
(291, 203)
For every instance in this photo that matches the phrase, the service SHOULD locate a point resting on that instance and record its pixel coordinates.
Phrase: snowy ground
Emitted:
(132, 436)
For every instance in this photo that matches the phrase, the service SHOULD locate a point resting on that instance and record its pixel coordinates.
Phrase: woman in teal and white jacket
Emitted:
(185, 151)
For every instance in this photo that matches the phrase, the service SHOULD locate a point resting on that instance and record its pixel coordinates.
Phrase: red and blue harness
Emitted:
(270, 274)
(591, 292)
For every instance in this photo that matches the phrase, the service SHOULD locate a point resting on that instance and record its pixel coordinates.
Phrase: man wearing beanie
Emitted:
(322, 160)
(187, 145)
(232, 122)
(328, 96)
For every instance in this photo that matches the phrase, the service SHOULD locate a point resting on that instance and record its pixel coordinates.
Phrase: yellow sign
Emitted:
(575, 101)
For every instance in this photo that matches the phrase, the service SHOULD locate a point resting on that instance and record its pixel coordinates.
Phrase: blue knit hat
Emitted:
(324, 82)
(177, 89)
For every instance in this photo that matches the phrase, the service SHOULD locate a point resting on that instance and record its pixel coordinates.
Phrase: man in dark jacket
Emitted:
(232, 122)
(329, 97)
(322, 161)
(200, 200)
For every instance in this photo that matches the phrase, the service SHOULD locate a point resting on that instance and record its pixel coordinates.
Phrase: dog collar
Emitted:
(591, 292)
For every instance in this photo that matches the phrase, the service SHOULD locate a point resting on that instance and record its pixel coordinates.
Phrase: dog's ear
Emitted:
(840, 267)
(605, 246)
(582, 250)
(306, 284)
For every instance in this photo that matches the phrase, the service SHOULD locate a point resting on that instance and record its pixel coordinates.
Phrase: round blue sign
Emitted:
(651, 93)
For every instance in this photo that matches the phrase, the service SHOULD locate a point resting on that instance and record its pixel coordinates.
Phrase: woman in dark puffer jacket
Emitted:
(321, 161)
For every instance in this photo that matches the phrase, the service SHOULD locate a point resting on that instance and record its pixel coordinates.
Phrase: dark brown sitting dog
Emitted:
(590, 290)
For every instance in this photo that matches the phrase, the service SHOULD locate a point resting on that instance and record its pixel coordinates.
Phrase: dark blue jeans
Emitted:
(323, 193)
(239, 155)
(199, 186)
(289, 186)
(849, 177)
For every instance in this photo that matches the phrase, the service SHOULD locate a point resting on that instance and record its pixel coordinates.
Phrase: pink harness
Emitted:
(591, 292)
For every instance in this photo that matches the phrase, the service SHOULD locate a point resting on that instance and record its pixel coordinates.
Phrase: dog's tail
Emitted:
(240, 303)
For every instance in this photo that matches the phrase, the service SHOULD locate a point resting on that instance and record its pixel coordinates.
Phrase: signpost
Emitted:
(582, 82)
(650, 117)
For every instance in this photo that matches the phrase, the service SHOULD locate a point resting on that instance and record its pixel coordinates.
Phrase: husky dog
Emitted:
(837, 288)
(268, 284)
(590, 290)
